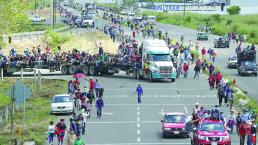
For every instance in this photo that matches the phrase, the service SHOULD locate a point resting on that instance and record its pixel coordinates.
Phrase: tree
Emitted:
(234, 10)
(12, 16)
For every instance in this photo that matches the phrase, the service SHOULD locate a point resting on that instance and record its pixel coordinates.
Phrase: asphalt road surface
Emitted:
(124, 122)
(246, 83)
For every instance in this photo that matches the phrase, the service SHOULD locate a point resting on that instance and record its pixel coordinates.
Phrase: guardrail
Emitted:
(30, 35)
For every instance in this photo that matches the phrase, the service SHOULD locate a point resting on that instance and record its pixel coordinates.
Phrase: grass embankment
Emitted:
(220, 24)
(37, 112)
(39, 27)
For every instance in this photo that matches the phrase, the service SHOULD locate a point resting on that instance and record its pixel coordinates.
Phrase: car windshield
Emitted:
(62, 99)
(175, 119)
(160, 57)
(248, 63)
(212, 127)
(152, 18)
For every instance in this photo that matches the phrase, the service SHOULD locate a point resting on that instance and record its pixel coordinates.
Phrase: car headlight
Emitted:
(225, 137)
(201, 137)
(255, 69)
(166, 128)
(243, 69)
(183, 129)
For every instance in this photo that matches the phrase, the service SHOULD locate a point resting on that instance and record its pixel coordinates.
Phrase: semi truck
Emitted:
(246, 62)
(154, 62)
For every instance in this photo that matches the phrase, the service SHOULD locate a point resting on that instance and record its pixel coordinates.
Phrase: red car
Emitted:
(174, 124)
(211, 132)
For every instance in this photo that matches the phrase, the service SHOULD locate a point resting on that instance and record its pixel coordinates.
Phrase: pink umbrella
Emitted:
(79, 75)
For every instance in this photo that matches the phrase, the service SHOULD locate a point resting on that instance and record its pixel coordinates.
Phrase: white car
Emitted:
(152, 20)
(62, 103)
(232, 62)
(37, 19)
(88, 21)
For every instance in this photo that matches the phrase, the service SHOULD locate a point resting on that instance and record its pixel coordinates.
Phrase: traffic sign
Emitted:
(19, 92)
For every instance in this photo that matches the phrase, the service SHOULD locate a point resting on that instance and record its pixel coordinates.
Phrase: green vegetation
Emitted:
(37, 113)
(39, 27)
(54, 39)
(220, 24)
(38, 4)
(234, 10)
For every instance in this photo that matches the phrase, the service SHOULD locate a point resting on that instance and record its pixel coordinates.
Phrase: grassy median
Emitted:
(220, 24)
(37, 112)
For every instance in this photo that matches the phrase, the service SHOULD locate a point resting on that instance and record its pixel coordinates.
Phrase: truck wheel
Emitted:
(85, 69)
(64, 69)
(92, 70)
(255, 74)
(72, 69)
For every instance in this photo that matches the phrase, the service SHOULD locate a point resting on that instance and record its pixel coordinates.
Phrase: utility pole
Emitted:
(52, 14)
(184, 10)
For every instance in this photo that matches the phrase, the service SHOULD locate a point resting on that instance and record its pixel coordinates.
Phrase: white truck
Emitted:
(156, 61)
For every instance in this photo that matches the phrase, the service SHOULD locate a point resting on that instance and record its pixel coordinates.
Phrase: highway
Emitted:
(124, 122)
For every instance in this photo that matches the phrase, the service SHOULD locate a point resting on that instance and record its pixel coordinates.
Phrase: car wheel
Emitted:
(255, 74)
(164, 135)
(228, 66)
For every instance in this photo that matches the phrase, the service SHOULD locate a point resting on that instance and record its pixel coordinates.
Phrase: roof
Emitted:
(211, 121)
(174, 113)
(62, 95)
(155, 45)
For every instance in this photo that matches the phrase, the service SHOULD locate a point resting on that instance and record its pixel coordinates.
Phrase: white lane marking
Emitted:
(138, 113)
(123, 122)
(107, 113)
(186, 110)
(138, 139)
(162, 112)
(138, 132)
(138, 119)
(138, 125)
(138, 108)
(157, 104)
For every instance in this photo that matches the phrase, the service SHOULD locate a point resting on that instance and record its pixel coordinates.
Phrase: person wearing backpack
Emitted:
(99, 106)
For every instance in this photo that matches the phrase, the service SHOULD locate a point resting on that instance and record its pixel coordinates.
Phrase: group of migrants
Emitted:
(83, 101)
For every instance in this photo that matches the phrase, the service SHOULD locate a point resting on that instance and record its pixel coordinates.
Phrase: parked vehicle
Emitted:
(221, 42)
(62, 103)
(211, 132)
(88, 21)
(174, 124)
(37, 19)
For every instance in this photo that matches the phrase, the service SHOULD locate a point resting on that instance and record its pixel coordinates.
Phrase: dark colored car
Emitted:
(221, 43)
(247, 67)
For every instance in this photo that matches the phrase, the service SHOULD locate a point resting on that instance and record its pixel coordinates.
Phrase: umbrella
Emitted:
(79, 75)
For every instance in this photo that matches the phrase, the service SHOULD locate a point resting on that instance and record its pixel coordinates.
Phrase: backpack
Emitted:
(215, 114)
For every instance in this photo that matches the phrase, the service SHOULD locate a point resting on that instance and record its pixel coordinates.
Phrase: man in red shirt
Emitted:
(185, 67)
(92, 83)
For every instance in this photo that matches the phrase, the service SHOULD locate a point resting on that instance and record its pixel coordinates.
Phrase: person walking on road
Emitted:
(185, 67)
(92, 83)
(139, 92)
(99, 106)
(97, 88)
(51, 133)
(60, 131)
(78, 141)
(221, 94)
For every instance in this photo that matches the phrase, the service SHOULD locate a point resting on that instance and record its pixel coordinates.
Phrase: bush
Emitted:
(253, 34)
(234, 10)
(53, 39)
(216, 18)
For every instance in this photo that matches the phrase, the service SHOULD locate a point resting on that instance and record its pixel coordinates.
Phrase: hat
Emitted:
(85, 89)
(231, 110)
(91, 77)
(196, 103)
